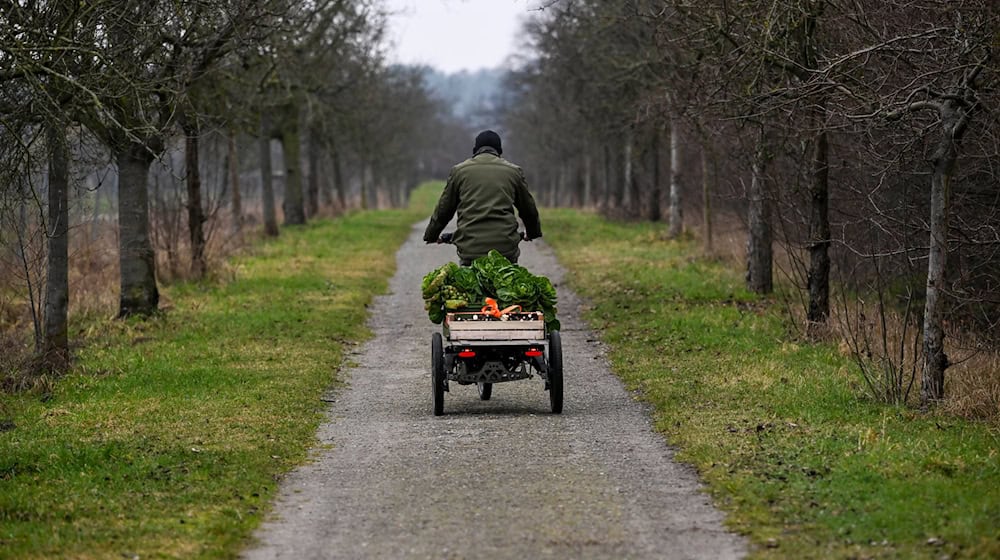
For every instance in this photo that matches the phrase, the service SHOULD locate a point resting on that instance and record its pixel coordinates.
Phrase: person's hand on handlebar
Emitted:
(445, 237)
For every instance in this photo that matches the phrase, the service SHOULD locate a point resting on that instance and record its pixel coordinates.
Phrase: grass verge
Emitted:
(167, 438)
(778, 429)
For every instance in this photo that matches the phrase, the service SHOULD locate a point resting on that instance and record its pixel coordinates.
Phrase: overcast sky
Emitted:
(455, 35)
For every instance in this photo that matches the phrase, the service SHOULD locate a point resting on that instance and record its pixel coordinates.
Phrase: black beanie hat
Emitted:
(487, 138)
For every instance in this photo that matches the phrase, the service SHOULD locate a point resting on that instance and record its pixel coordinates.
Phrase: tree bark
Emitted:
(232, 161)
(945, 158)
(654, 195)
(706, 198)
(378, 188)
(312, 191)
(759, 251)
(94, 187)
(632, 197)
(623, 191)
(294, 204)
(676, 214)
(56, 344)
(818, 278)
(195, 212)
(139, 294)
(365, 187)
(607, 191)
(338, 177)
(267, 178)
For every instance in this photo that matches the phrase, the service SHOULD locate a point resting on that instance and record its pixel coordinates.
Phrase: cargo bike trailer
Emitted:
(476, 347)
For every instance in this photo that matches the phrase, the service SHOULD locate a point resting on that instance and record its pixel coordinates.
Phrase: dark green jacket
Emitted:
(485, 190)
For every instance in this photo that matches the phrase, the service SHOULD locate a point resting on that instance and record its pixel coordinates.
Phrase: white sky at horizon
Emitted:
(455, 35)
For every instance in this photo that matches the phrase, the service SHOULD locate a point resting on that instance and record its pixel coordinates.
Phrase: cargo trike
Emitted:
(489, 346)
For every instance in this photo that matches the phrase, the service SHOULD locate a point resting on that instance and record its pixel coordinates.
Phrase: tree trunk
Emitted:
(819, 232)
(312, 191)
(157, 233)
(56, 344)
(234, 181)
(655, 215)
(378, 188)
(267, 178)
(294, 205)
(676, 214)
(622, 193)
(139, 295)
(327, 197)
(365, 203)
(95, 223)
(945, 158)
(606, 176)
(338, 177)
(706, 198)
(759, 257)
(588, 179)
(195, 212)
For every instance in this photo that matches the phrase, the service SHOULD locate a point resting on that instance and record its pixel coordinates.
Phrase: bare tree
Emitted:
(266, 176)
(56, 345)
(759, 277)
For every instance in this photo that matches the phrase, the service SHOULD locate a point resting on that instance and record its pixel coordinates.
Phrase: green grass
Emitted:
(778, 428)
(167, 438)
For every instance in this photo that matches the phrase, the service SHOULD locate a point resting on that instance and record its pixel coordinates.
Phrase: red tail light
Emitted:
(466, 354)
(533, 353)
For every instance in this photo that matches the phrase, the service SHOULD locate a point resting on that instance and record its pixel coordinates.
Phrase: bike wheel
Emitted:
(485, 391)
(437, 373)
(555, 373)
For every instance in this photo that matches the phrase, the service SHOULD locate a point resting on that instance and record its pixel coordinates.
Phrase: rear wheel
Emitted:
(555, 372)
(437, 373)
(485, 391)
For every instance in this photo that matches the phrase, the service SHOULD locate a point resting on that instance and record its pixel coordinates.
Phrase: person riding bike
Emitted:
(484, 190)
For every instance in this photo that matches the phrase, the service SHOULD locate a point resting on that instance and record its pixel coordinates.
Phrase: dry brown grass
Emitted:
(93, 274)
(972, 387)
(882, 343)
(94, 290)
(729, 241)
(972, 383)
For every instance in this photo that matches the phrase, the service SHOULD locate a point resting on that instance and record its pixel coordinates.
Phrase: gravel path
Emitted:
(490, 479)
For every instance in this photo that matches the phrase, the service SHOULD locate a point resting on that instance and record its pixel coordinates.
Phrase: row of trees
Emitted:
(861, 136)
(133, 97)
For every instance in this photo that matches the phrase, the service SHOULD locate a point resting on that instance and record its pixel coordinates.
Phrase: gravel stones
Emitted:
(490, 479)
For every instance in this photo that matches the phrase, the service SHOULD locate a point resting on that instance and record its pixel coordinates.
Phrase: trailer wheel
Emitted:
(485, 391)
(555, 373)
(437, 373)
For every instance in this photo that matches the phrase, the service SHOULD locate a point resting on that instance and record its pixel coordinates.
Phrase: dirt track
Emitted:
(489, 479)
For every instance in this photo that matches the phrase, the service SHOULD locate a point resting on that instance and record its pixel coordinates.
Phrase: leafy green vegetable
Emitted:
(436, 315)
(453, 287)
(464, 278)
(488, 269)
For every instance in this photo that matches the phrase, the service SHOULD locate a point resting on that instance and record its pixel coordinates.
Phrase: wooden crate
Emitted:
(530, 330)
